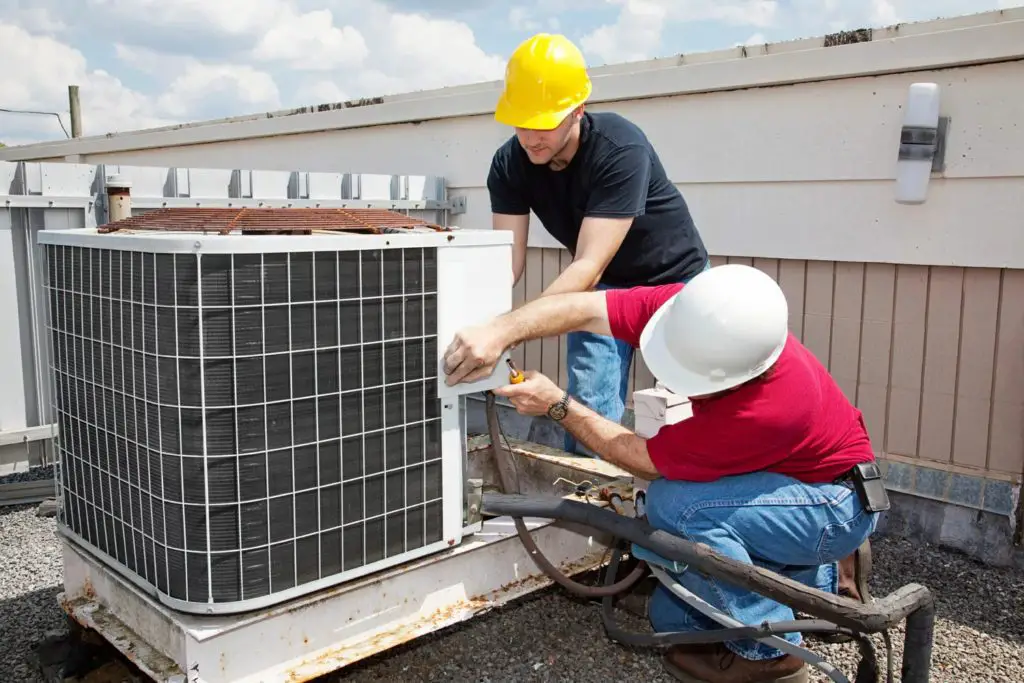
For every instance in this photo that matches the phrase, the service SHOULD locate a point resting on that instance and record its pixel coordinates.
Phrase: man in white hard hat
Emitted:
(775, 466)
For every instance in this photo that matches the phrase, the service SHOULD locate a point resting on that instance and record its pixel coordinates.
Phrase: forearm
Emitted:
(518, 257)
(613, 442)
(518, 266)
(552, 316)
(519, 226)
(579, 276)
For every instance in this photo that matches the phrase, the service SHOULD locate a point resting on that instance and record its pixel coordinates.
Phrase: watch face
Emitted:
(557, 411)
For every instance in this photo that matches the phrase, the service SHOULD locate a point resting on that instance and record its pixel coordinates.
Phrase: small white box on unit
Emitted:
(656, 407)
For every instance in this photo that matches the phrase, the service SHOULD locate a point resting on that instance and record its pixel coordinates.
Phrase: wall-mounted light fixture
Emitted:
(922, 143)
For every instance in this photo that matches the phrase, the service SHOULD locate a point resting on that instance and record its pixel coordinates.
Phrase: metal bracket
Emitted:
(474, 501)
(18, 201)
(919, 143)
(191, 202)
(35, 201)
(456, 205)
(9, 437)
(939, 160)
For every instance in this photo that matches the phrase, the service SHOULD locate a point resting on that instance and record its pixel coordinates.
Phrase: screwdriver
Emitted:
(514, 375)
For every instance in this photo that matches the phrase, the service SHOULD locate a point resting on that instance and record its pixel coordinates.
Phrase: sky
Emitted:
(146, 63)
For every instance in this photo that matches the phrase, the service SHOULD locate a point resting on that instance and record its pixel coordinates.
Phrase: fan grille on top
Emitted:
(269, 220)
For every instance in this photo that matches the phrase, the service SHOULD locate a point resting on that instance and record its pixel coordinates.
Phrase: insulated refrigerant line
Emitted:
(504, 461)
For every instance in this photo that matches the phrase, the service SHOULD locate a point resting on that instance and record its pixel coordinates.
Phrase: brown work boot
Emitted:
(854, 572)
(718, 664)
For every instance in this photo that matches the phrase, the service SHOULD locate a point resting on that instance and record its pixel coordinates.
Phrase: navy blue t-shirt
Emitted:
(615, 174)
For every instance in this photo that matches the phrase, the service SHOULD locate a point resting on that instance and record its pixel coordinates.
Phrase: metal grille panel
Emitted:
(237, 425)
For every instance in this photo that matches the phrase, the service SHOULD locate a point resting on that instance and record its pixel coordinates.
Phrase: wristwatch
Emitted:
(559, 409)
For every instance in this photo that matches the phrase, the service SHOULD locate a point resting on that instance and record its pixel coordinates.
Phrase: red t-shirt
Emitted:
(796, 422)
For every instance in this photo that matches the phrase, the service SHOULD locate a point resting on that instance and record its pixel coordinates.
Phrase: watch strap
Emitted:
(558, 410)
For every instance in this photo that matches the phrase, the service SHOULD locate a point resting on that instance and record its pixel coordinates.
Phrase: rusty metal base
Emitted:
(324, 632)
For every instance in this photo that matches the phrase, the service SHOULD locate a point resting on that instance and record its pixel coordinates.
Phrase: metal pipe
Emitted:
(505, 469)
(912, 602)
(917, 643)
(879, 616)
(119, 198)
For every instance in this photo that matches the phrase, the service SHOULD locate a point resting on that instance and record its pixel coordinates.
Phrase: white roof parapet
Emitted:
(942, 43)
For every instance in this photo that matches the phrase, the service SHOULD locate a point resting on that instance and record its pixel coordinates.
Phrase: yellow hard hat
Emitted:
(545, 79)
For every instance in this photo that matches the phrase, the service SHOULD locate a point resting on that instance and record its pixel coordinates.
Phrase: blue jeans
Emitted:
(598, 368)
(773, 521)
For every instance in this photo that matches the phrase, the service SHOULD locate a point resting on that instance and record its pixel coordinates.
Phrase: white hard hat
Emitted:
(727, 326)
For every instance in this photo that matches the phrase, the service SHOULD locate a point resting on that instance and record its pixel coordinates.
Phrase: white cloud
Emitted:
(416, 52)
(203, 89)
(437, 52)
(637, 34)
(532, 20)
(151, 62)
(322, 91)
(45, 67)
(186, 60)
(641, 26)
(883, 13)
(756, 39)
(312, 42)
(633, 37)
(34, 19)
(521, 19)
(230, 17)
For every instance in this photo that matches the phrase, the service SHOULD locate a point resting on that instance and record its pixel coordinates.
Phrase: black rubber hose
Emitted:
(917, 644)
(876, 617)
(504, 458)
(668, 639)
(867, 669)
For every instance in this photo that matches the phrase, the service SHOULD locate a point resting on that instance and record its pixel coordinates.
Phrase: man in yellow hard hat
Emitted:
(597, 185)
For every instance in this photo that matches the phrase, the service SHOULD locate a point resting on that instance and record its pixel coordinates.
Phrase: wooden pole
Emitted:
(76, 112)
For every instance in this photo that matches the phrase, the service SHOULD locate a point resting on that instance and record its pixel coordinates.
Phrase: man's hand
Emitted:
(473, 353)
(609, 440)
(534, 395)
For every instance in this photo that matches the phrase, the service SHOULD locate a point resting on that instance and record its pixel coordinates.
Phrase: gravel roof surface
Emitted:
(553, 637)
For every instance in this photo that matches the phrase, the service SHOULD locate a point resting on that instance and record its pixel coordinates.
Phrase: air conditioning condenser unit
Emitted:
(248, 417)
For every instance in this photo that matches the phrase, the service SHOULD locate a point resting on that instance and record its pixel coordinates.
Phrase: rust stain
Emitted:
(71, 607)
(461, 610)
(95, 618)
(860, 35)
(267, 220)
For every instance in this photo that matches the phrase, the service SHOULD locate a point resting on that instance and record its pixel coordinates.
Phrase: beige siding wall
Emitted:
(933, 356)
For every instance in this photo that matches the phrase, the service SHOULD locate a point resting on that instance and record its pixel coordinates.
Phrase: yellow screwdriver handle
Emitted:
(514, 375)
